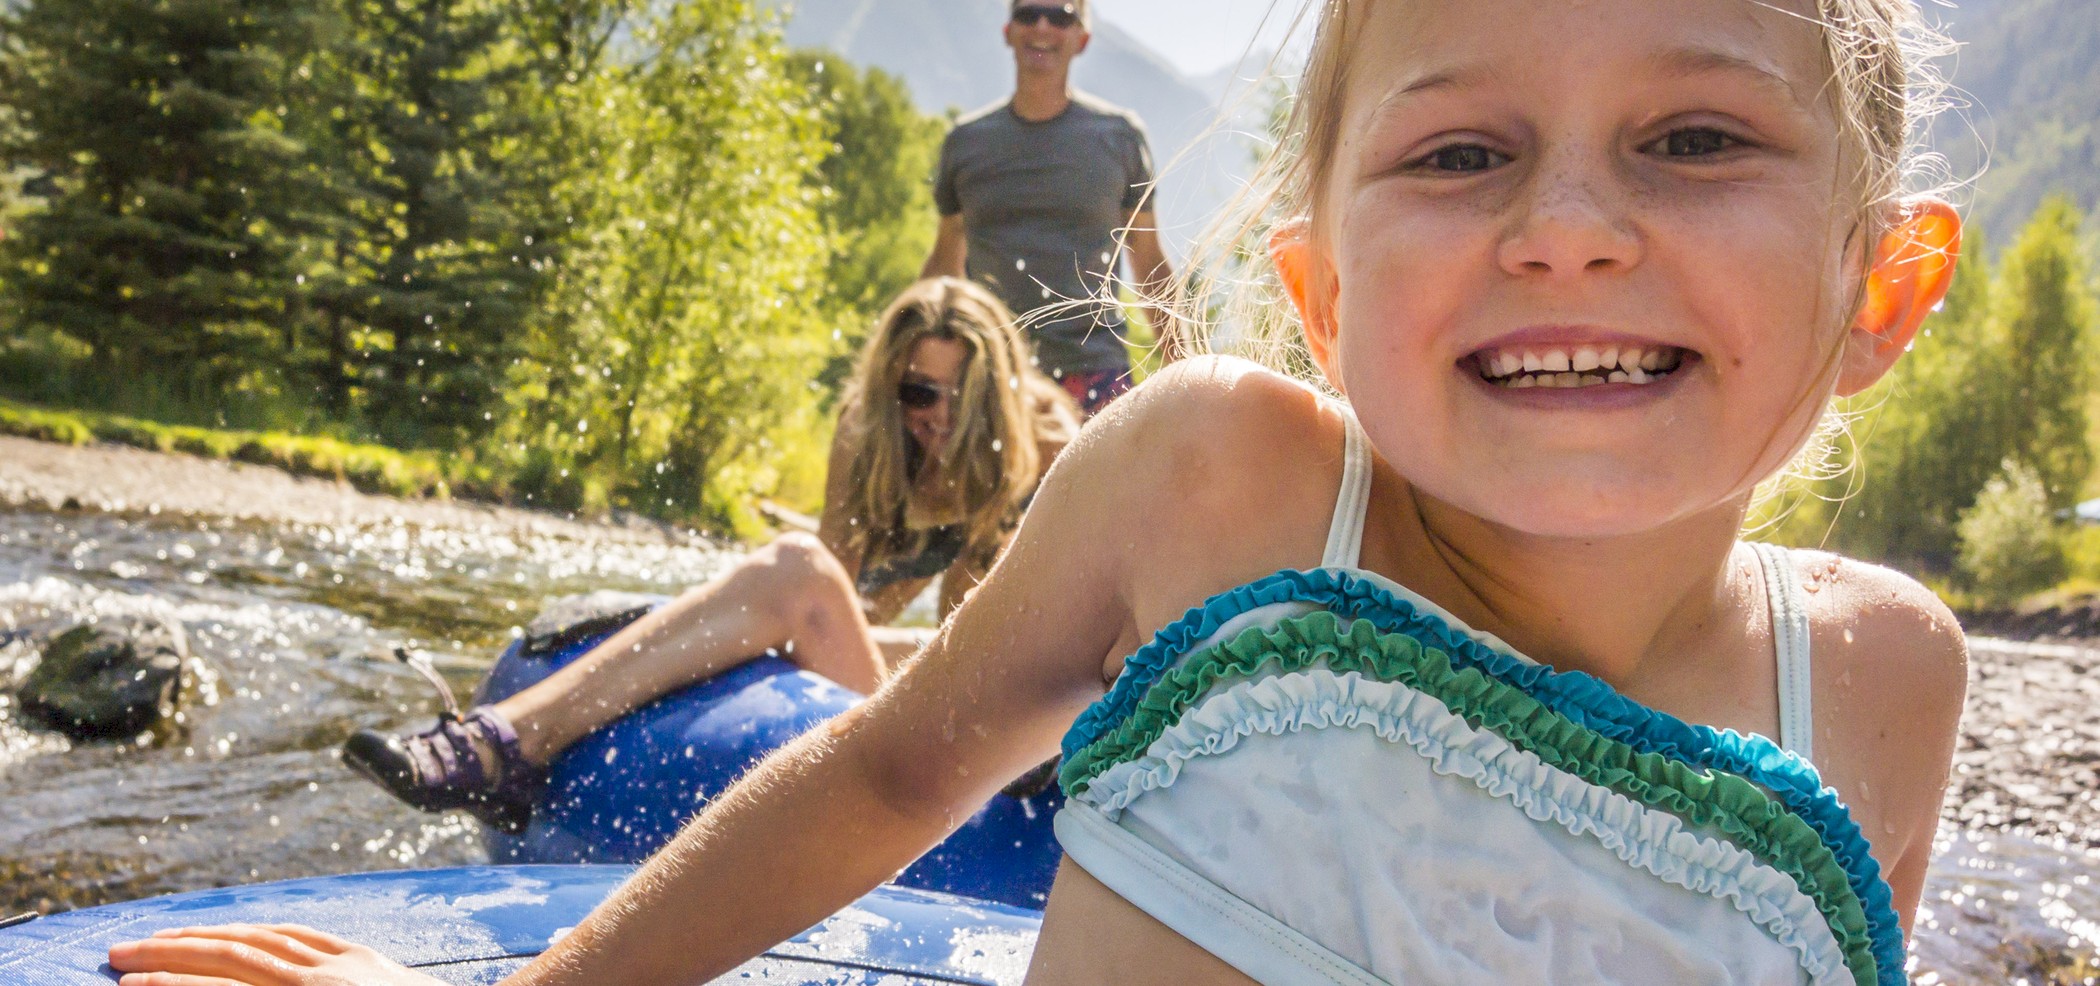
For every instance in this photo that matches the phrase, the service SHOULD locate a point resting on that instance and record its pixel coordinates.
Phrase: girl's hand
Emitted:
(256, 955)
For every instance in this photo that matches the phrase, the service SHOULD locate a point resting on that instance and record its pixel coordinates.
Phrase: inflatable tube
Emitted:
(622, 792)
(478, 924)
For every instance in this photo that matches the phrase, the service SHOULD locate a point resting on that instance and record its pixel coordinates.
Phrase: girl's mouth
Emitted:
(1574, 367)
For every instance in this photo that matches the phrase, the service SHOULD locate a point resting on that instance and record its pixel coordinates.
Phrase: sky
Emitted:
(1198, 36)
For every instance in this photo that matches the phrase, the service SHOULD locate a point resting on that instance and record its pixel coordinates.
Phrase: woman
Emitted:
(942, 437)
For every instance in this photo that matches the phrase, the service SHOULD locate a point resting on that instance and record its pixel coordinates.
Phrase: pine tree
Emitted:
(431, 262)
(157, 126)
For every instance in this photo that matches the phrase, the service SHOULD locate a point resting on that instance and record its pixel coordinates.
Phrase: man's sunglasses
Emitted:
(919, 395)
(1031, 15)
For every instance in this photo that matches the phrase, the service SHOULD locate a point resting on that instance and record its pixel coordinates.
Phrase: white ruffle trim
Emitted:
(1652, 840)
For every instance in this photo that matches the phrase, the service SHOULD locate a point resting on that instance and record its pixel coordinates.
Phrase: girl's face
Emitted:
(927, 390)
(1591, 256)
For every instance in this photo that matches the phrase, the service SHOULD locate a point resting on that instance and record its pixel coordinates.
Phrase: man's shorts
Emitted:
(1093, 389)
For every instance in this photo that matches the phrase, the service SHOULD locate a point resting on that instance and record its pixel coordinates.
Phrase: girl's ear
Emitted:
(1909, 273)
(1309, 280)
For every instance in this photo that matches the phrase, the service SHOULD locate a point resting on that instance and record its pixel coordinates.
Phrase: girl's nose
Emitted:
(1569, 219)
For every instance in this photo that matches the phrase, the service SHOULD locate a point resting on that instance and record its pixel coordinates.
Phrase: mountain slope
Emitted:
(2030, 72)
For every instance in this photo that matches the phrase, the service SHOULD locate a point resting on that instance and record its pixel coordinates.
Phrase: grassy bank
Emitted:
(370, 468)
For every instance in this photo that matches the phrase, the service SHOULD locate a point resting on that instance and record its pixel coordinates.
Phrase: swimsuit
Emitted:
(1322, 777)
(937, 550)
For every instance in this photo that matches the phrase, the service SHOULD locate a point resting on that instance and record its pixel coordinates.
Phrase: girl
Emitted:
(1479, 684)
(942, 436)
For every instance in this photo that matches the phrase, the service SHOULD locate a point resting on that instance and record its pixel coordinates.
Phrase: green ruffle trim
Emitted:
(1715, 800)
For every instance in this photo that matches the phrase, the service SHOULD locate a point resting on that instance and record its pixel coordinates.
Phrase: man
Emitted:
(1040, 196)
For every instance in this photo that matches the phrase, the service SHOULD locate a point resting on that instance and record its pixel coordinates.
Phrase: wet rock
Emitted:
(112, 679)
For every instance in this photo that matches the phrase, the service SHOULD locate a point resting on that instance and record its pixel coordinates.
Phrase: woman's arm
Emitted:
(832, 526)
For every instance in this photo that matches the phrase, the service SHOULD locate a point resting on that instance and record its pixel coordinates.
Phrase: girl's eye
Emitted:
(1461, 159)
(1695, 143)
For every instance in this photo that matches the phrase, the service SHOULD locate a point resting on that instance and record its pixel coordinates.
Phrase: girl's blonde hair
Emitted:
(1004, 409)
(1882, 90)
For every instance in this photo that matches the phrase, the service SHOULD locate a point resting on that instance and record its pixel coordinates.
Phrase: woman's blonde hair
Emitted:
(1005, 407)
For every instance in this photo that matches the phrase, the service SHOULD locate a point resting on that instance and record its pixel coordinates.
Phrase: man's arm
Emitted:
(1154, 280)
(950, 249)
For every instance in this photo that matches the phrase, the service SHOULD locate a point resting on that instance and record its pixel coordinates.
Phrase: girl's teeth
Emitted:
(1584, 366)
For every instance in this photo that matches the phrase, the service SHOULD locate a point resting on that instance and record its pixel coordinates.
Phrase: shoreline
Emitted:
(110, 478)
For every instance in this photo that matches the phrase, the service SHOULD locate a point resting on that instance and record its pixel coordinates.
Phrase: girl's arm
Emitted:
(988, 699)
(1887, 708)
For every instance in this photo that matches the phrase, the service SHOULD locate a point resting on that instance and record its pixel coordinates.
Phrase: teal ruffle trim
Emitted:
(1583, 699)
(1711, 799)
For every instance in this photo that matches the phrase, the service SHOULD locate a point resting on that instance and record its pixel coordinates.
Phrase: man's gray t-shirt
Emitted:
(1041, 203)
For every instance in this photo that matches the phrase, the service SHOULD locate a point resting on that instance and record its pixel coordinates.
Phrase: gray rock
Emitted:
(113, 679)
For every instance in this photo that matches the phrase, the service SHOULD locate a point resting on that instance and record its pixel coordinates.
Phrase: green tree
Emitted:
(1929, 435)
(427, 259)
(875, 185)
(2044, 317)
(2009, 542)
(683, 327)
(1998, 375)
(158, 127)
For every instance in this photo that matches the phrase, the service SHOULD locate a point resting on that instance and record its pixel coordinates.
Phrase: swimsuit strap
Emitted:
(1784, 598)
(1788, 607)
(1345, 534)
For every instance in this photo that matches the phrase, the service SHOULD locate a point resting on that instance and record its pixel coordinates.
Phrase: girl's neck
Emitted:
(1615, 608)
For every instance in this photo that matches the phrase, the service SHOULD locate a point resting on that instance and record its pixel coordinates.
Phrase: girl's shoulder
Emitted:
(1212, 422)
(1213, 472)
(1890, 675)
(1209, 398)
(1880, 621)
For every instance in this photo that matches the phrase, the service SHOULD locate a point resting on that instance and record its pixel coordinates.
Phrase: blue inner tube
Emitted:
(474, 925)
(622, 792)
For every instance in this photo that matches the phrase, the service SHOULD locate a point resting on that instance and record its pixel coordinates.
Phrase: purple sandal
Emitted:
(442, 768)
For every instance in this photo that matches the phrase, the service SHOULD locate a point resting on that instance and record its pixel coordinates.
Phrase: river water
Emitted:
(291, 623)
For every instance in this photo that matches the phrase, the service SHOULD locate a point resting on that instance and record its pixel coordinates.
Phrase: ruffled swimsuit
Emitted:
(1322, 777)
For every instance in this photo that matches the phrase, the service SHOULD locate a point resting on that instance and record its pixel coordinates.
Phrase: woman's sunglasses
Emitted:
(1031, 15)
(919, 395)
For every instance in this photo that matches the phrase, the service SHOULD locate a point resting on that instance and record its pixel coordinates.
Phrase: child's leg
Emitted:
(790, 590)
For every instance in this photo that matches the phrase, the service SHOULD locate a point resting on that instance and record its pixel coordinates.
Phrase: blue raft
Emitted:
(476, 925)
(622, 792)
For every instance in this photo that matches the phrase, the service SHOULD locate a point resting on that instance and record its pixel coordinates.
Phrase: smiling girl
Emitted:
(1453, 670)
